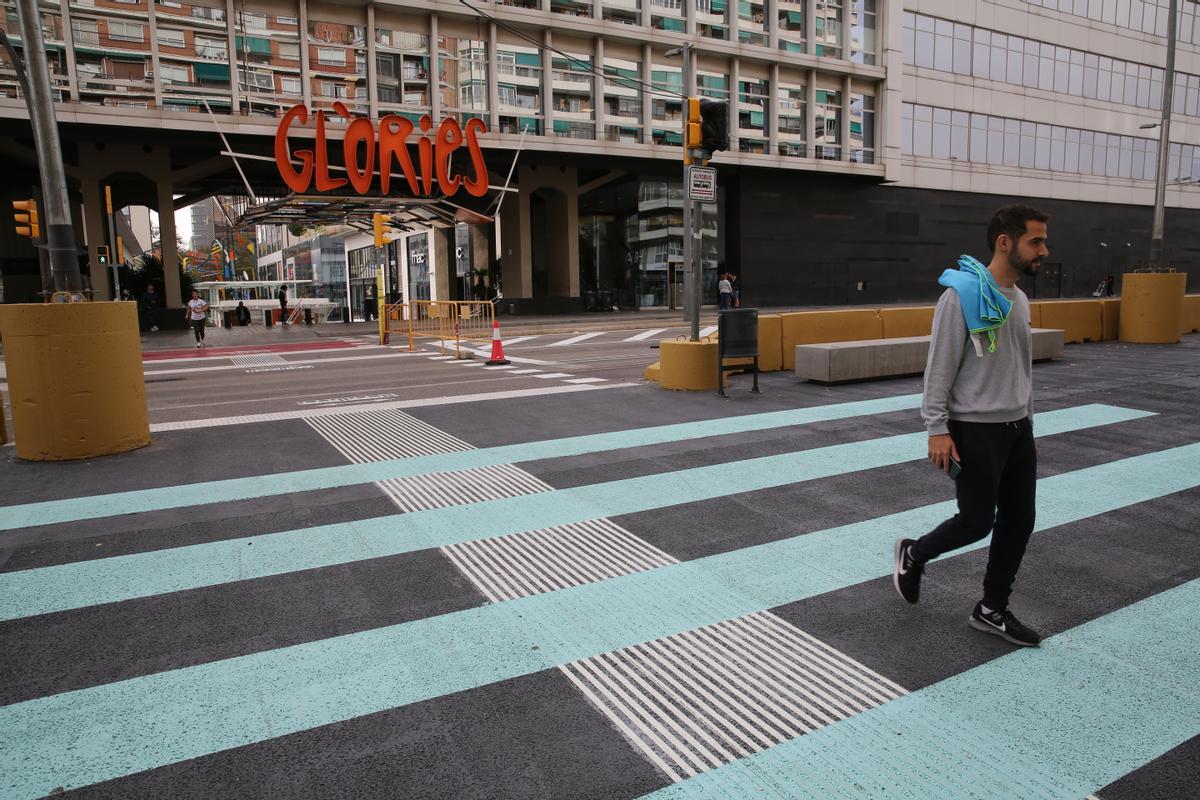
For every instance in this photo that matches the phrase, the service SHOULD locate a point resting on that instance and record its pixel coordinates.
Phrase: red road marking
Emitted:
(252, 349)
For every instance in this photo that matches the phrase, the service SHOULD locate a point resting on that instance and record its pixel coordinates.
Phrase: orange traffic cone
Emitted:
(497, 358)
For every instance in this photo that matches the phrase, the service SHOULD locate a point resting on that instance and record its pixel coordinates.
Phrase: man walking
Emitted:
(283, 303)
(196, 314)
(978, 410)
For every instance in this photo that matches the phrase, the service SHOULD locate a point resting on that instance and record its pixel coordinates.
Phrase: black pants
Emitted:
(996, 492)
(198, 329)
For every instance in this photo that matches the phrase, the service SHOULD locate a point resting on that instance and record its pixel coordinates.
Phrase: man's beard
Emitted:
(1023, 266)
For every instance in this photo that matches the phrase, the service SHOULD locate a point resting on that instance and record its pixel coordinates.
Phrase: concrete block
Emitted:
(1080, 320)
(903, 322)
(653, 372)
(1047, 344)
(1151, 306)
(1191, 313)
(688, 365)
(840, 362)
(770, 342)
(846, 325)
(1110, 319)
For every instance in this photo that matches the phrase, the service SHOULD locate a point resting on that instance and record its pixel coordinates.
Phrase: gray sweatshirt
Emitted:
(963, 381)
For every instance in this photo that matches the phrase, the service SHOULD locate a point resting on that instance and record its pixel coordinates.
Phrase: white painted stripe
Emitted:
(188, 359)
(555, 375)
(524, 372)
(500, 367)
(586, 380)
(487, 353)
(185, 370)
(638, 337)
(424, 402)
(709, 696)
(517, 340)
(577, 339)
(441, 358)
(709, 331)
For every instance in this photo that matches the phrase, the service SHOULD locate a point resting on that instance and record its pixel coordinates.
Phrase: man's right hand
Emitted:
(941, 450)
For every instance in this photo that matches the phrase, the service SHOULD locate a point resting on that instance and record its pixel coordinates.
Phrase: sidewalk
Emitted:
(509, 325)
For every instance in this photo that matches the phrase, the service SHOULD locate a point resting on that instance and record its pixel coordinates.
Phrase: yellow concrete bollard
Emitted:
(75, 379)
(1152, 307)
(688, 365)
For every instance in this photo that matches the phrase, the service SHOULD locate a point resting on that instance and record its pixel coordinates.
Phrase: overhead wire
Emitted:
(628, 83)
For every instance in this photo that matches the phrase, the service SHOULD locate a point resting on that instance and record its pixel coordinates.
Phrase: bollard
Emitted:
(269, 317)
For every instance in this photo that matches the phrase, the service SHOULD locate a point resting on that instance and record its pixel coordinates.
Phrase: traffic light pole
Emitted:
(60, 233)
(691, 280)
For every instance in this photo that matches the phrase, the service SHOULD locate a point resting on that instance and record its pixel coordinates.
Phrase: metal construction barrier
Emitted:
(444, 320)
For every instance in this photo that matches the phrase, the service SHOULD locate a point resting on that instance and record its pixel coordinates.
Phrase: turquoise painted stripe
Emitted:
(108, 580)
(197, 494)
(1096, 703)
(103, 732)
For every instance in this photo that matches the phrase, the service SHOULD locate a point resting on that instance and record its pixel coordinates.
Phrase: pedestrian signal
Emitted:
(25, 213)
(102, 256)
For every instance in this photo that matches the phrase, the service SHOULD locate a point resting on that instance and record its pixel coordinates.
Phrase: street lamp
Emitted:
(1164, 133)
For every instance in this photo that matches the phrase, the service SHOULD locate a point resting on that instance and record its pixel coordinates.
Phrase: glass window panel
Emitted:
(982, 54)
(922, 130)
(941, 133)
(979, 141)
(962, 49)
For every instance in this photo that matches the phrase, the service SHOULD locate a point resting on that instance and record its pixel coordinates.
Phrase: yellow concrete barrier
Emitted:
(688, 365)
(1110, 319)
(1035, 315)
(3, 426)
(653, 372)
(810, 327)
(1152, 306)
(900, 322)
(1191, 313)
(1079, 320)
(770, 342)
(75, 379)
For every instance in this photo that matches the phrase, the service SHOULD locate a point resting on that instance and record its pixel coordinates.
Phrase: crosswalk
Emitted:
(688, 660)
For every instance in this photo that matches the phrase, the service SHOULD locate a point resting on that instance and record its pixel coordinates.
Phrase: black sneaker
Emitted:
(907, 574)
(1004, 625)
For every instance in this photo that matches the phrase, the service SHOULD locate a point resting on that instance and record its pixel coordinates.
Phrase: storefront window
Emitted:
(631, 245)
(418, 267)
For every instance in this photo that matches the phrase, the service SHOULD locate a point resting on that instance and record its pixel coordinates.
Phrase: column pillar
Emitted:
(598, 87)
(810, 116)
(735, 101)
(166, 228)
(647, 97)
(69, 48)
(305, 74)
(810, 26)
(547, 85)
(372, 67)
(154, 62)
(435, 71)
(844, 118)
(772, 110)
(235, 100)
(493, 84)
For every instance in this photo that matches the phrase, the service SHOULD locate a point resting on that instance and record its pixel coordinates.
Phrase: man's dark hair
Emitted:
(1012, 221)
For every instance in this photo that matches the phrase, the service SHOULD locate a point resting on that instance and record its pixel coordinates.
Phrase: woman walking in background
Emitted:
(196, 314)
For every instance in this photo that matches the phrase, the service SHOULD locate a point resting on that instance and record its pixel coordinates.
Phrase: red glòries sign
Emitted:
(390, 144)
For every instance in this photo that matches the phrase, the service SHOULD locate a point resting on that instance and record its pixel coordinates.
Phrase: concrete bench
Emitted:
(840, 362)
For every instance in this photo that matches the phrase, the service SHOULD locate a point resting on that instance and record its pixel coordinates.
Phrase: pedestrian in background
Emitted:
(978, 409)
(151, 301)
(724, 291)
(243, 314)
(735, 287)
(283, 311)
(197, 314)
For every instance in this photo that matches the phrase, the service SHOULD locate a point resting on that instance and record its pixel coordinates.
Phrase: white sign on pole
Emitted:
(702, 184)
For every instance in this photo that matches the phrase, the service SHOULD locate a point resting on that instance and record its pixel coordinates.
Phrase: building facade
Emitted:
(870, 140)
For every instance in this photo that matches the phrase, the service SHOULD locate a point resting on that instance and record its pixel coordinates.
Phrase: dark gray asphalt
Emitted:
(537, 736)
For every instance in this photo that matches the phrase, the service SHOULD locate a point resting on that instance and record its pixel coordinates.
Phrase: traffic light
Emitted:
(378, 222)
(714, 127)
(25, 213)
(692, 139)
(102, 256)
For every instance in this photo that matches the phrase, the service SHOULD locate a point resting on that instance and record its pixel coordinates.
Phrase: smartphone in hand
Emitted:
(955, 468)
